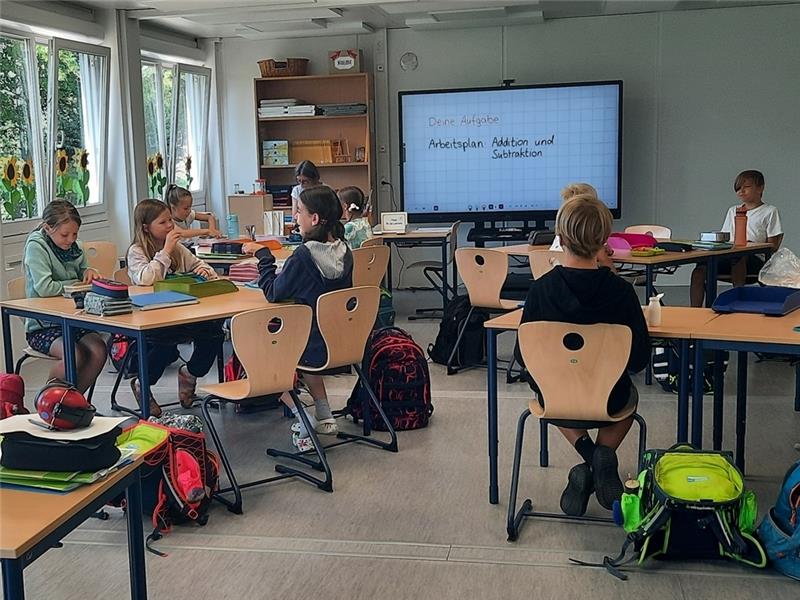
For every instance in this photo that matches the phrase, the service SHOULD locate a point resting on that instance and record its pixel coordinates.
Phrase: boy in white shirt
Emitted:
(763, 225)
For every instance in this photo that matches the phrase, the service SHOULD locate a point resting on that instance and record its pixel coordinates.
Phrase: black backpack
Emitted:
(471, 351)
(397, 371)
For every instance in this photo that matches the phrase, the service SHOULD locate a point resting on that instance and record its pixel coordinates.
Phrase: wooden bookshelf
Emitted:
(318, 89)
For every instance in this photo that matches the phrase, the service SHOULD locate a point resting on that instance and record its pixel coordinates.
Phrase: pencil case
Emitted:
(109, 288)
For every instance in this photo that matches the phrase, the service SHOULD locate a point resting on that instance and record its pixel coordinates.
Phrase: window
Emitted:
(79, 127)
(176, 99)
(53, 125)
(20, 133)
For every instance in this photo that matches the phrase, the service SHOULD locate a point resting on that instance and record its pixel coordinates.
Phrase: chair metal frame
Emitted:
(269, 343)
(433, 268)
(562, 374)
(345, 319)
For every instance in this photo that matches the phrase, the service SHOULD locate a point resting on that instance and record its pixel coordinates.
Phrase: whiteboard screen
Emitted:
(504, 153)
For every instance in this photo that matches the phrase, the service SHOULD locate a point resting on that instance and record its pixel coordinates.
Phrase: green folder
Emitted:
(198, 289)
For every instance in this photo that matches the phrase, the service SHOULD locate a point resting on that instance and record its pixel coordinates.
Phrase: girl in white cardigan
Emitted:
(156, 251)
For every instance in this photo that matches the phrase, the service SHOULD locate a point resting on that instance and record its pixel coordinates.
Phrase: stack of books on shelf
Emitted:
(285, 107)
(351, 108)
(281, 195)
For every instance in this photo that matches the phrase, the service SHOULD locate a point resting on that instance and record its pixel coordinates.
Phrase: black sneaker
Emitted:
(575, 496)
(605, 471)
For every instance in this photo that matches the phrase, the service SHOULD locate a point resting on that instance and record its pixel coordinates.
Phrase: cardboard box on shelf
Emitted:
(344, 61)
(275, 152)
(317, 151)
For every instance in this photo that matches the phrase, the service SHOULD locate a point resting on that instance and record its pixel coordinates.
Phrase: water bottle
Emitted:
(233, 227)
(740, 226)
(654, 310)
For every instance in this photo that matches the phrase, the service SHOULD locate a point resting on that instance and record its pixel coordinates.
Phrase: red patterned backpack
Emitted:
(398, 374)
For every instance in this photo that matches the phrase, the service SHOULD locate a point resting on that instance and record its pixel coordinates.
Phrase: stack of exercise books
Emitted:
(285, 107)
(165, 299)
(76, 288)
(105, 306)
(708, 245)
(244, 271)
(345, 109)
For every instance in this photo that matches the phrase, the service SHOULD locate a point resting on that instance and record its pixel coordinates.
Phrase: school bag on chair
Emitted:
(690, 504)
(780, 531)
(397, 371)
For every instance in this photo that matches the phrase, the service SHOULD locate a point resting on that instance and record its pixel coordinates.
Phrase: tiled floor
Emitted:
(418, 524)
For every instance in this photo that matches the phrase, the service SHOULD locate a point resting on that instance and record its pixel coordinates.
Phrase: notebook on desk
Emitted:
(165, 299)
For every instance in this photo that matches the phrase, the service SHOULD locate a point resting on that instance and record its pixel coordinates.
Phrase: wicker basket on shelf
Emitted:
(291, 67)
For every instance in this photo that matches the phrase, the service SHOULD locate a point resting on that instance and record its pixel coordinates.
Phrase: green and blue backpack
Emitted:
(689, 504)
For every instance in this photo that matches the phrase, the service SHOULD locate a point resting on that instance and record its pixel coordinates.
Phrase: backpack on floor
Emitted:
(397, 371)
(690, 504)
(179, 478)
(666, 367)
(473, 343)
(780, 529)
(120, 348)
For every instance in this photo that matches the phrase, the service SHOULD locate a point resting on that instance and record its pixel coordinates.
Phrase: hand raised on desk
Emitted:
(251, 247)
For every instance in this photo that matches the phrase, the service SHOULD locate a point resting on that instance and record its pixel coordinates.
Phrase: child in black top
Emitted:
(323, 263)
(583, 292)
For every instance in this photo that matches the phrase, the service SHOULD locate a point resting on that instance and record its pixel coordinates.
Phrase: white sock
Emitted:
(322, 409)
(303, 431)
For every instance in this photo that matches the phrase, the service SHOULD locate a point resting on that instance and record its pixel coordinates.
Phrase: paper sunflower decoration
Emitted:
(80, 159)
(10, 172)
(27, 172)
(62, 163)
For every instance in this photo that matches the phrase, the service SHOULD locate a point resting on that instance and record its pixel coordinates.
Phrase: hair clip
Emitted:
(353, 206)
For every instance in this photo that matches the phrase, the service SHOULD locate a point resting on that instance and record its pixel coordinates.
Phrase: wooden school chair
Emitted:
(575, 367)
(269, 343)
(122, 276)
(543, 261)
(345, 319)
(102, 256)
(15, 290)
(373, 241)
(483, 272)
(657, 231)
(433, 270)
(369, 265)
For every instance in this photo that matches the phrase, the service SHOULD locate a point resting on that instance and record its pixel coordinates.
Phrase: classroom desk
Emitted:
(421, 238)
(33, 522)
(136, 325)
(669, 259)
(677, 322)
(741, 333)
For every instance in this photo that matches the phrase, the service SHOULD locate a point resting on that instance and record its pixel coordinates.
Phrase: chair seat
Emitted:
(233, 391)
(630, 408)
(425, 264)
(36, 354)
(509, 304)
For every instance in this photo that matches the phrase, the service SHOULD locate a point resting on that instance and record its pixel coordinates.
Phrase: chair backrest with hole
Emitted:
(15, 288)
(102, 256)
(657, 231)
(575, 366)
(345, 319)
(269, 343)
(369, 265)
(543, 261)
(483, 272)
(122, 276)
(373, 241)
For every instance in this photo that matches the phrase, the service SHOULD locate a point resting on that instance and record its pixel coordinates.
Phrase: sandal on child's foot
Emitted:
(187, 384)
(323, 427)
(155, 409)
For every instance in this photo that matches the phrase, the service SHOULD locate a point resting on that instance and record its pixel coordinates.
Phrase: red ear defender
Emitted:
(62, 406)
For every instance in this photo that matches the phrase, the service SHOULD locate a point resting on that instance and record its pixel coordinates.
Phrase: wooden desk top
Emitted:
(414, 234)
(27, 517)
(676, 321)
(747, 327)
(213, 307)
(666, 257)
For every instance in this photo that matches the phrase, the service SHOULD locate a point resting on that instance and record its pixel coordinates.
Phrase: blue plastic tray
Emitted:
(766, 300)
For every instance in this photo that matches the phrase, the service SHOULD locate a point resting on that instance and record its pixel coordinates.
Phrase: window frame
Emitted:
(56, 45)
(199, 195)
(41, 164)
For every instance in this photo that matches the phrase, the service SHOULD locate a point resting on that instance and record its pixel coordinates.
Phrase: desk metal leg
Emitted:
(136, 541)
(797, 387)
(13, 583)
(68, 340)
(697, 396)
(648, 293)
(491, 378)
(389, 267)
(741, 407)
(8, 346)
(683, 391)
(144, 374)
(719, 394)
(711, 281)
(221, 362)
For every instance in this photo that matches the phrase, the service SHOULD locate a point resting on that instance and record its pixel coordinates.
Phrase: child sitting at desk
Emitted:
(357, 229)
(155, 252)
(323, 263)
(307, 176)
(584, 292)
(54, 258)
(763, 225)
(180, 205)
(583, 189)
